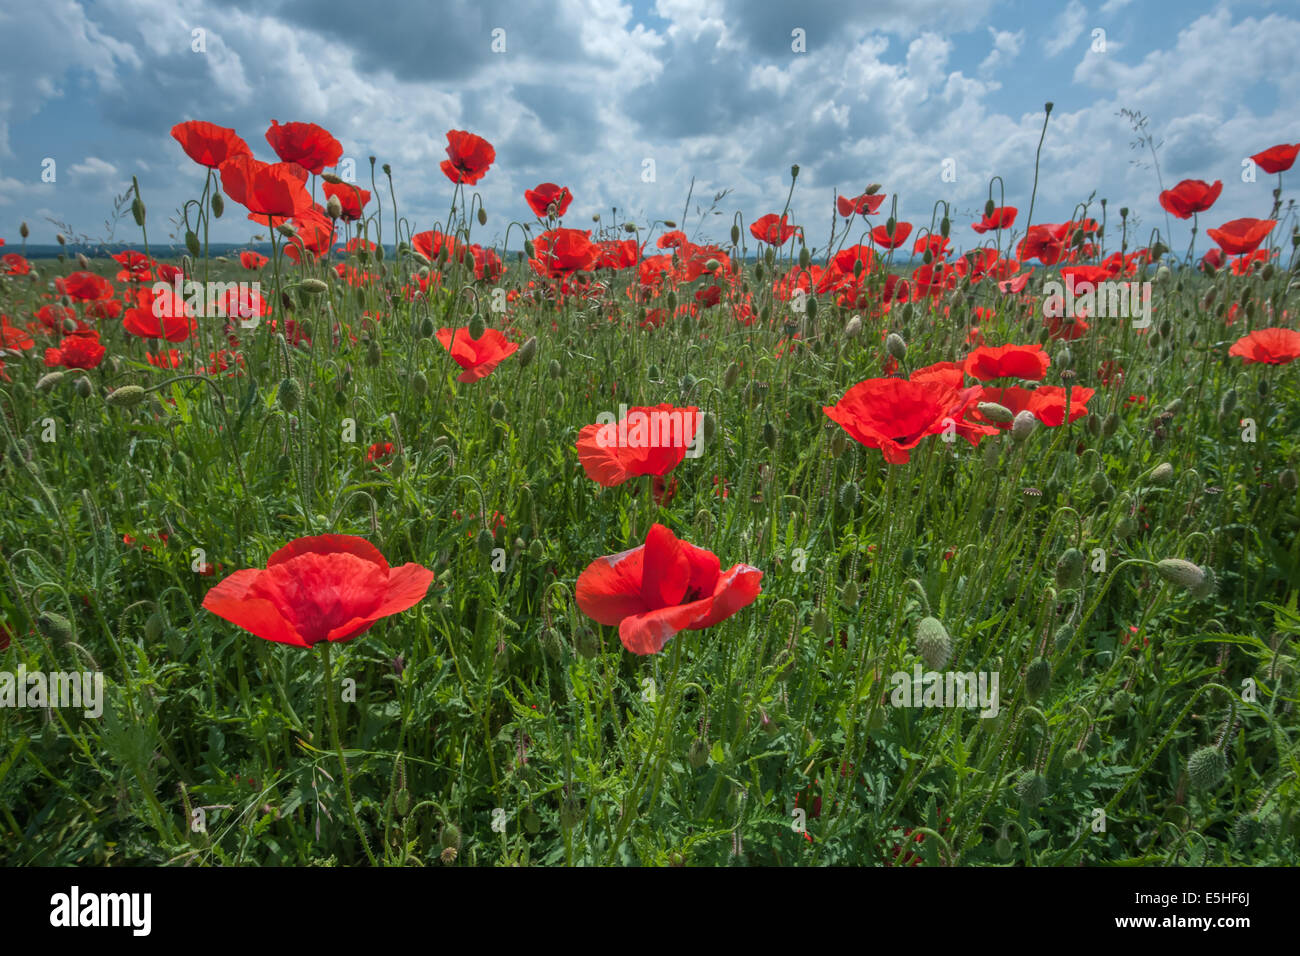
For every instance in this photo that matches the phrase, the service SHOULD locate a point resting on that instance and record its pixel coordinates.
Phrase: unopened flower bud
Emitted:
(125, 396)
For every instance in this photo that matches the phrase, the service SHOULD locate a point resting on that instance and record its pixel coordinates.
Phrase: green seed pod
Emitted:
(1031, 788)
(1069, 568)
(1206, 768)
(477, 326)
(527, 351)
(54, 626)
(125, 396)
(933, 643)
(289, 395)
(1038, 678)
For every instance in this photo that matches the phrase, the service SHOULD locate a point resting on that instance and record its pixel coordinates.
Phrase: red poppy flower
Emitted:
(1047, 403)
(160, 315)
(20, 340)
(469, 157)
(136, 266)
(478, 357)
(1002, 217)
(1007, 361)
(661, 587)
(265, 189)
(15, 265)
(85, 286)
(541, 199)
(332, 587)
(1268, 346)
(772, 230)
(864, 205)
(894, 414)
(616, 254)
(352, 198)
(252, 260)
(559, 253)
(308, 145)
(646, 441)
(882, 237)
(1277, 159)
(209, 144)
(76, 351)
(1190, 196)
(1241, 236)
(934, 244)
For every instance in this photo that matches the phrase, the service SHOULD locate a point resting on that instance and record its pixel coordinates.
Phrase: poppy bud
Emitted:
(933, 643)
(769, 434)
(849, 594)
(805, 257)
(484, 542)
(153, 628)
(419, 384)
(709, 426)
(82, 261)
(1183, 573)
(527, 351)
(1099, 483)
(1073, 759)
(1125, 526)
(137, 211)
(849, 496)
(1286, 479)
(1162, 474)
(812, 307)
(731, 375)
(758, 273)
(24, 231)
(1093, 425)
(989, 208)
(477, 326)
(125, 396)
(1038, 678)
(334, 208)
(1121, 702)
(426, 327)
(735, 235)
(1063, 359)
(555, 368)
(314, 287)
(697, 755)
(1003, 848)
(289, 395)
(820, 622)
(218, 205)
(1206, 767)
(1069, 568)
(587, 642)
(672, 301)
(1163, 275)
(192, 243)
(839, 442)
(83, 387)
(1031, 788)
(1110, 424)
(853, 328)
(449, 838)
(402, 802)
(374, 355)
(54, 626)
(1064, 634)
(895, 346)
(944, 227)
(794, 171)
(1023, 425)
(995, 412)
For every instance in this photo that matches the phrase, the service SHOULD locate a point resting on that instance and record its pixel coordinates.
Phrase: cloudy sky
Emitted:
(586, 91)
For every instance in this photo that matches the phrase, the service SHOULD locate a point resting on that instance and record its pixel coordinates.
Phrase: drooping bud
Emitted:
(1031, 788)
(1206, 767)
(289, 395)
(1183, 573)
(125, 396)
(1069, 568)
(1038, 677)
(527, 351)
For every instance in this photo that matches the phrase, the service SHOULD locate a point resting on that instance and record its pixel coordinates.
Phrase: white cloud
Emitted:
(1066, 28)
(1006, 47)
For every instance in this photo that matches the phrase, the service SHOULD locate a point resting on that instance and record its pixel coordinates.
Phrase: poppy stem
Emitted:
(338, 749)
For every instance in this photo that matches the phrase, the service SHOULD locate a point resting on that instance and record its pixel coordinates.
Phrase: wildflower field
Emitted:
(893, 543)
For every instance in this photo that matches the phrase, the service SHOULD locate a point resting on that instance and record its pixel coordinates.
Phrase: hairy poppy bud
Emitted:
(896, 346)
(24, 231)
(289, 395)
(709, 427)
(137, 211)
(54, 626)
(125, 396)
(482, 216)
(1286, 479)
(477, 326)
(731, 375)
(1162, 474)
(527, 351)
(1206, 767)
(1031, 788)
(1064, 634)
(426, 327)
(853, 328)
(989, 208)
(314, 287)
(735, 235)
(933, 643)
(1038, 677)
(334, 207)
(192, 243)
(286, 229)
(374, 355)
(484, 542)
(83, 387)
(1023, 425)
(419, 384)
(769, 434)
(1110, 424)
(1183, 573)
(805, 257)
(820, 622)
(995, 412)
(849, 496)
(218, 205)
(1069, 568)
(697, 755)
